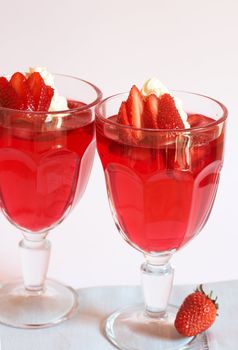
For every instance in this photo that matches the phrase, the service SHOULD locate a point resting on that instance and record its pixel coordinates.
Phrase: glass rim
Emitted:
(65, 111)
(196, 128)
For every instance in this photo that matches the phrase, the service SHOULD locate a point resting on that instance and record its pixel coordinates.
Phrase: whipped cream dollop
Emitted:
(154, 86)
(58, 103)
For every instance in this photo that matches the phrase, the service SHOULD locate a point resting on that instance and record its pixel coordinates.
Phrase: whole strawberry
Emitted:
(197, 313)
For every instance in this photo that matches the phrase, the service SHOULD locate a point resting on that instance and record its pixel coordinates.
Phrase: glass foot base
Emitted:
(24, 309)
(133, 329)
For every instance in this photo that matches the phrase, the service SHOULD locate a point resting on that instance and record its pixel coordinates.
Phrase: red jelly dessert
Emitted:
(45, 158)
(161, 177)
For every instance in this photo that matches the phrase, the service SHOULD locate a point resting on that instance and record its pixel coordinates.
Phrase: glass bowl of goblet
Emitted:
(161, 187)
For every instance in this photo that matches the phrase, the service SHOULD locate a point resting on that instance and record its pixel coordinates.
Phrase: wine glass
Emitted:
(161, 186)
(45, 163)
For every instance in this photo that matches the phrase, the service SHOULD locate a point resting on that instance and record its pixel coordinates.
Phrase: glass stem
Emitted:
(35, 254)
(157, 281)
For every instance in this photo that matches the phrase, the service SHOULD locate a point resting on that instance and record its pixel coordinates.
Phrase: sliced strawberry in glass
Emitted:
(19, 83)
(168, 115)
(150, 113)
(122, 117)
(8, 96)
(135, 106)
(125, 134)
(41, 93)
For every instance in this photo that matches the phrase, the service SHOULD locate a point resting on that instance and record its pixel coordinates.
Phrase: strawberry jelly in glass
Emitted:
(44, 168)
(45, 163)
(161, 186)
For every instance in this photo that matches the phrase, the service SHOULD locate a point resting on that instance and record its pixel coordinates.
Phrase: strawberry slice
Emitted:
(151, 112)
(130, 114)
(41, 93)
(122, 117)
(8, 96)
(168, 115)
(125, 135)
(135, 106)
(19, 84)
(45, 101)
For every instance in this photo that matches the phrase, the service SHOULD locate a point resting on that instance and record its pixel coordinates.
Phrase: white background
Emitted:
(189, 45)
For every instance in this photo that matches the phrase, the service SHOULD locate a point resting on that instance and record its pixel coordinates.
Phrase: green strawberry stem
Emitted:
(209, 296)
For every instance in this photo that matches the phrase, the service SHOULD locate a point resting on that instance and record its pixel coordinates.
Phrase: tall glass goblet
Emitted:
(45, 162)
(161, 186)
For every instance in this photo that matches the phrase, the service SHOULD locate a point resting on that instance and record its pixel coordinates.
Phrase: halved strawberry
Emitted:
(19, 84)
(168, 115)
(135, 107)
(8, 96)
(151, 112)
(41, 93)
